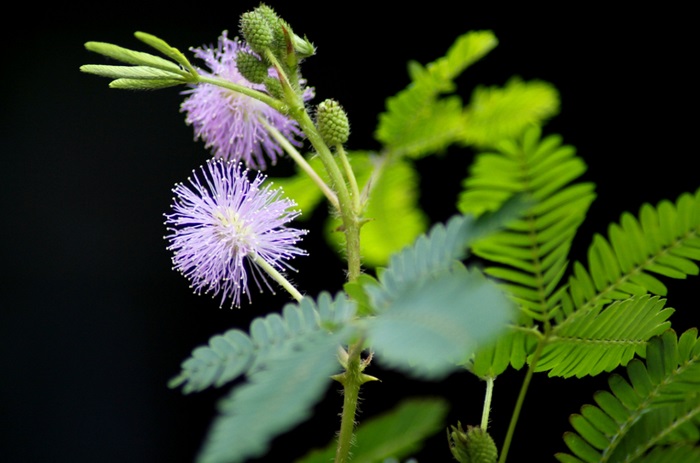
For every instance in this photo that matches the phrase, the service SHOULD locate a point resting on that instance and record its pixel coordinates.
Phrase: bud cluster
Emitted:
(264, 30)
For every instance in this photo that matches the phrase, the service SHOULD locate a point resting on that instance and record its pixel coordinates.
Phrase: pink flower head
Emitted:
(220, 220)
(230, 123)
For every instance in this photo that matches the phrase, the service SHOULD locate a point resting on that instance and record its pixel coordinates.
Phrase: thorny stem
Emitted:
(351, 379)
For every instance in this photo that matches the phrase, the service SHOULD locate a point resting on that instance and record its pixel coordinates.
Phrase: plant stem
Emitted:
(301, 162)
(351, 379)
(521, 399)
(487, 404)
(258, 95)
(350, 175)
(351, 223)
(277, 276)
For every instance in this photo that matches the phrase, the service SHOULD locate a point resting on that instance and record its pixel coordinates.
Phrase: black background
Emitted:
(93, 322)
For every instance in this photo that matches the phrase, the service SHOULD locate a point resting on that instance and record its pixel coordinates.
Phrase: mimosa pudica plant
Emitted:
(490, 289)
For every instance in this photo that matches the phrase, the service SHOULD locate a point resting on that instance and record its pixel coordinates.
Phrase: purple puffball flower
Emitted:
(230, 123)
(220, 221)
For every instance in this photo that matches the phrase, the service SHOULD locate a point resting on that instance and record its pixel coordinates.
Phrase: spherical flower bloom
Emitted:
(230, 123)
(222, 222)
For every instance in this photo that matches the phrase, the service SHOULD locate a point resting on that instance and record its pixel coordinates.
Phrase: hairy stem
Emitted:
(277, 276)
(355, 191)
(302, 163)
(351, 379)
(351, 223)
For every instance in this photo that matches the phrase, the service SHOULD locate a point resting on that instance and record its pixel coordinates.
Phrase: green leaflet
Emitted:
(637, 419)
(416, 122)
(147, 72)
(662, 240)
(511, 348)
(467, 49)
(166, 49)
(676, 454)
(604, 339)
(435, 252)
(396, 433)
(357, 291)
(495, 113)
(235, 353)
(286, 389)
(133, 57)
(429, 327)
(130, 72)
(532, 252)
(430, 311)
(395, 218)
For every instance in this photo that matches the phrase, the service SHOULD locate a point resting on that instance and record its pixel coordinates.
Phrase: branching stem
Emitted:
(302, 163)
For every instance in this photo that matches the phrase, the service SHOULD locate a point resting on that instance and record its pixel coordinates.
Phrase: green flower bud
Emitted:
(303, 47)
(473, 446)
(251, 67)
(274, 22)
(269, 14)
(332, 122)
(274, 87)
(256, 30)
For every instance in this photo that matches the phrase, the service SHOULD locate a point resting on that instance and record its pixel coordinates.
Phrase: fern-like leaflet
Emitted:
(235, 353)
(288, 361)
(604, 339)
(664, 241)
(430, 308)
(532, 252)
(437, 251)
(417, 122)
(652, 417)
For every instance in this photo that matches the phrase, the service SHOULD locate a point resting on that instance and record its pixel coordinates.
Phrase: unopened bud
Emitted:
(473, 446)
(256, 31)
(275, 24)
(332, 122)
(274, 87)
(303, 47)
(251, 67)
